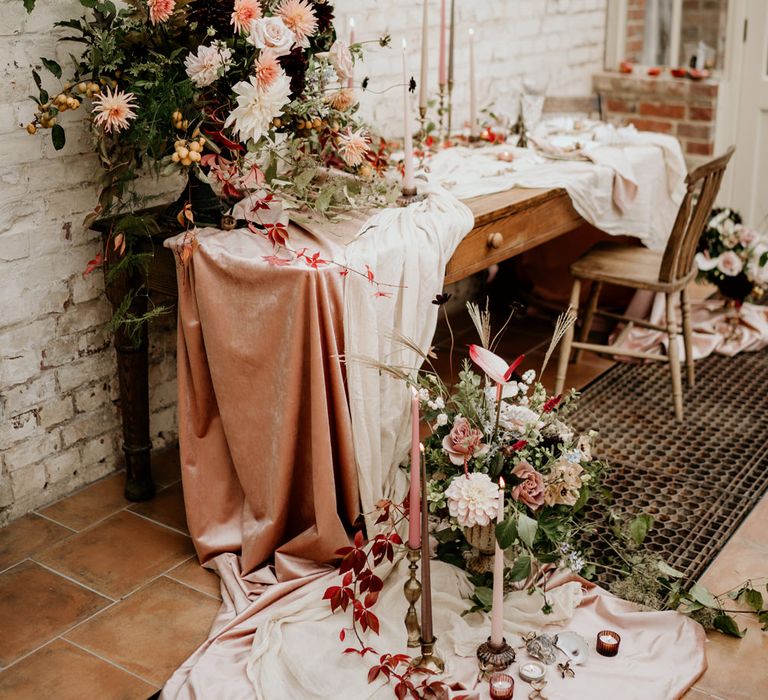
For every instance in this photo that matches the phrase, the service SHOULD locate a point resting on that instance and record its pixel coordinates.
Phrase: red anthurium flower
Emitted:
(493, 365)
(552, 404)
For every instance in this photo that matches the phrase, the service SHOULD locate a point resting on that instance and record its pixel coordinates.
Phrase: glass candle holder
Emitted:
(532, 671)
(607, 643)
(502, 686)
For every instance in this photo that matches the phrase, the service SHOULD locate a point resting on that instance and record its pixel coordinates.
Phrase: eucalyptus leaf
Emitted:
(526, 529)
(484, 596)
(754, 599)
(762, 618)
(506, 533)
(58, 137)
(639, 527)
(521, 569)
(52, 67)
(703, 596)
(668, 571)
(727, 625)
(29, 5)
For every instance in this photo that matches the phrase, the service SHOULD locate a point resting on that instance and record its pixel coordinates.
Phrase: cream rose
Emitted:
(271, 33)
(341, 60)
(730, 264)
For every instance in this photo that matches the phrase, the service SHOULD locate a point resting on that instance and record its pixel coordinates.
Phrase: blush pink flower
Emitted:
(730, 264)
(300, 18)
(266, 69)
(243, 13)
(463, 442)
(114, 110)
(342, 99)
(531, 489)
(353, 145)
(160, 10)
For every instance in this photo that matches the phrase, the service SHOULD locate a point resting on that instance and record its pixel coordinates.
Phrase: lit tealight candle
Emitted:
(607, 643)
(502, 686)
(532, 671)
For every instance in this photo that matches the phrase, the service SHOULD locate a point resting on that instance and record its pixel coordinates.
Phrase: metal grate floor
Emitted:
(698, 479)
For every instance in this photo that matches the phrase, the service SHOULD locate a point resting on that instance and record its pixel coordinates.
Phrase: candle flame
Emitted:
(471, 32)
(421, 447)
(414, 392)
(502, 483)
(351, 22)
(404, 44)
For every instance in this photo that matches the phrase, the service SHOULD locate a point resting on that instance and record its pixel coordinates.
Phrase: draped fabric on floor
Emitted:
(274, 462)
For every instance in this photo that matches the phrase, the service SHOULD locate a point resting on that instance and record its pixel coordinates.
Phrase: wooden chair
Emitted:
(590, 105)
(668, 272)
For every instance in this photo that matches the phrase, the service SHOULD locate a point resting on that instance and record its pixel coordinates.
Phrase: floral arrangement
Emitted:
(733, 257)
(245, 95)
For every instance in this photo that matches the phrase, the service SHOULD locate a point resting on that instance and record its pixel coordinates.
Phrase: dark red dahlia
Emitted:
(295, 66)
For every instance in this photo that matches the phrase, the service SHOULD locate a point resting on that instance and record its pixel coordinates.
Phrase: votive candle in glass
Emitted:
(532, 671)
(607, 643)
(502, 686)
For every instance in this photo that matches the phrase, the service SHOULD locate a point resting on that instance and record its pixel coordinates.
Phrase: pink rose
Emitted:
(463, 442)
(531, 490)
(730, 264)
(747, 236)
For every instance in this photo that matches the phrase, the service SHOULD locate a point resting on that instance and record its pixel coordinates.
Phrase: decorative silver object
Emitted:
(542, 647)
(574, 646)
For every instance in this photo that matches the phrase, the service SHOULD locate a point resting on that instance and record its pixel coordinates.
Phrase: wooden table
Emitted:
(506, 224)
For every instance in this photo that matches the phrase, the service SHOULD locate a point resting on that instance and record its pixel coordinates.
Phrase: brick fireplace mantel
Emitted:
(677, 106)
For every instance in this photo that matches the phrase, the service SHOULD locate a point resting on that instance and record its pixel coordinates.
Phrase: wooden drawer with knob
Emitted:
(531, 218)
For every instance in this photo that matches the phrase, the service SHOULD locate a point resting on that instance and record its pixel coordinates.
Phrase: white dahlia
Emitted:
(208, 64)
(473, 499)
(256, 108)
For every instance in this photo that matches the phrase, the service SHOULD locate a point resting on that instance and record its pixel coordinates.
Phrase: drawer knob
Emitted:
(495, 240)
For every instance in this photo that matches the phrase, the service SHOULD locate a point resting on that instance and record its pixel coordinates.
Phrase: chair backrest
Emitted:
(590, 105)
(702, 186)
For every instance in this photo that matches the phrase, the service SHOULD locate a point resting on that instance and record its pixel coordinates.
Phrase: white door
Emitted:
(750, 165)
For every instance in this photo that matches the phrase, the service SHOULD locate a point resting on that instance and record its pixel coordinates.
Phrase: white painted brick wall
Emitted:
(59, 424)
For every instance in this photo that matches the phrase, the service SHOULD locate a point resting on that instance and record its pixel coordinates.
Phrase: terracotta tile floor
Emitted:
(101, 598)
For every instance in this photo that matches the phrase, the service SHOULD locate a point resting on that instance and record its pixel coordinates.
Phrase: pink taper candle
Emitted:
(424, 80)
(351, 82)
(472, 86)
(409, 182)
(414, 532)
(442, 74)
(497, 611)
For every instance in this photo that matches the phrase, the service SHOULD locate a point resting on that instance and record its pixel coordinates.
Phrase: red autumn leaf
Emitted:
(359, 538)
(373, 621)
(395, 538)
(93, 263)
(343, 551)
(376, 584)
(278, 234)
(373, 674)
(386, 295)
(330, 592)
(315, 261)
(369, 273)
(347, 580)
(276, 261)
(344, 272)
(401, 690)
(342, 634)
(370, 599)
(352, 650)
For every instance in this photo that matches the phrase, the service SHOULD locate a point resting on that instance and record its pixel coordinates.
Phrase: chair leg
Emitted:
(565, 348)
(589, 315)
(685, 304)
(674, 357)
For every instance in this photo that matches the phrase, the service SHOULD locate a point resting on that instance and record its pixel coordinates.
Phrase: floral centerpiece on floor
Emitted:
(733, 257)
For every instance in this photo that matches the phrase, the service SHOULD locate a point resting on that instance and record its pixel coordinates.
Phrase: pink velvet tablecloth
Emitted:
(272, 487)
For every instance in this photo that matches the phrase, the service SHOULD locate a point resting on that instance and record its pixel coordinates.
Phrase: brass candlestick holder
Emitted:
(428, 659)
(412, 591)
(494, 658)
(410, 195)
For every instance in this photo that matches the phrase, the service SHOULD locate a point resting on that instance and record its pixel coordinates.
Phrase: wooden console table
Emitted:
(506, 224)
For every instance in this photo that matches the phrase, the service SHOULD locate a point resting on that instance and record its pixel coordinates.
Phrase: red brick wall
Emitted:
(676, 106)
(635, 28)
